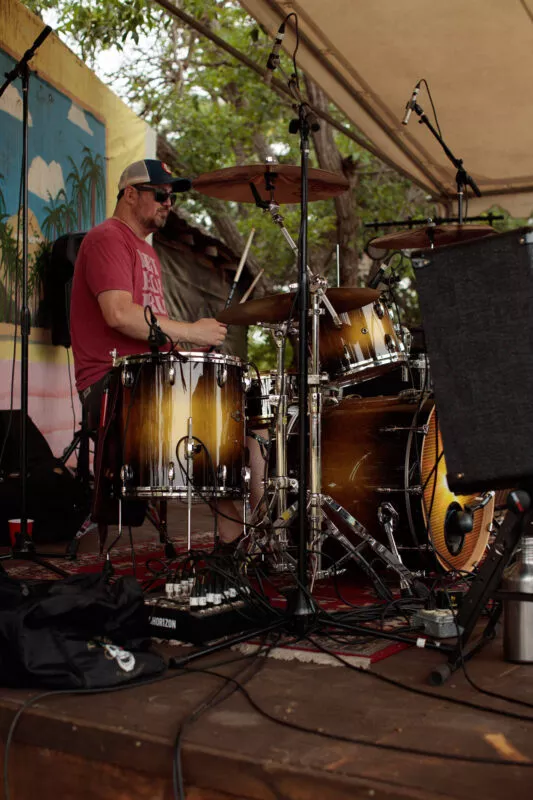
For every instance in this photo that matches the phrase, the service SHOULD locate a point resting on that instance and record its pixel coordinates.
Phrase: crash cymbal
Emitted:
(431, 235)
(233, 183)
(277, 307)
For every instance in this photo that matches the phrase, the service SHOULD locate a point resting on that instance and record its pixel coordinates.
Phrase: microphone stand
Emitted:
(462, 178)
(23, 546)
(302, 606)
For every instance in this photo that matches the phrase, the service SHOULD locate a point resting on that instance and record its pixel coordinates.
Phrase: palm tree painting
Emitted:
(94, 178)
(76, 181)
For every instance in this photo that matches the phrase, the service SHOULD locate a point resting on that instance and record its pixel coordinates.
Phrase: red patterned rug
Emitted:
(330, 597)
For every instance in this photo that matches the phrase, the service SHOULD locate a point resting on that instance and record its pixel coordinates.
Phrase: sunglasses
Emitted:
(160, 196)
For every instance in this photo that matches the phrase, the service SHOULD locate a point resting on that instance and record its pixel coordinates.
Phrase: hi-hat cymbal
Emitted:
(233, 183)
(432, 235)
(277, 307)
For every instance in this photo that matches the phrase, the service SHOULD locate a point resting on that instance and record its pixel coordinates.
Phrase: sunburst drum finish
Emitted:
(377, 450)
(159, 394)
(365, 346)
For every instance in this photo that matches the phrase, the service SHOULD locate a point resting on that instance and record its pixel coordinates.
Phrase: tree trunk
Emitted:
(329, 158)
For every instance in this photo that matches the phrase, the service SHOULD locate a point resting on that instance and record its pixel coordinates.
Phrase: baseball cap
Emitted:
(152, 171)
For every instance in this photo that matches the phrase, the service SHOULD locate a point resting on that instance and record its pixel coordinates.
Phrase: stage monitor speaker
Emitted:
(476, 300)
(39, 450)
(57, 285)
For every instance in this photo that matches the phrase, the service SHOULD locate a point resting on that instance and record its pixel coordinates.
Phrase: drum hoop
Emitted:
(191, 356)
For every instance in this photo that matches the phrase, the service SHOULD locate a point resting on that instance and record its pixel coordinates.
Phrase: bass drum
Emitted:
(389, 450)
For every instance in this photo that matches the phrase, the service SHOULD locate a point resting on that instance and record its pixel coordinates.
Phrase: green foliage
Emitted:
(217, 113)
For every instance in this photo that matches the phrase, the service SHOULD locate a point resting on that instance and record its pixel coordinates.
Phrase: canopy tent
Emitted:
(477, 57)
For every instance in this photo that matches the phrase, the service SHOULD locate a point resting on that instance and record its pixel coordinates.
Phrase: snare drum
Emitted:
(389, 450)
(163, 401)
(364, 347)
(262, 400)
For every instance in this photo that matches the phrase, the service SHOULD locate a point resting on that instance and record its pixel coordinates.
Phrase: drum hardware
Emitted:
(222, 375)
(423, 429)
(415, 490)
(388, 518)
(191, 448)
(352, 552)
(126, 473)
(380, 311)
(127, 378)
(172, 375)
(390, 558)
(222, 475)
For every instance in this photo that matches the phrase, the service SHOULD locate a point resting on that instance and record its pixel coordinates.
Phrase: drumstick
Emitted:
(237, 274)
(249, 291)
(240, 268)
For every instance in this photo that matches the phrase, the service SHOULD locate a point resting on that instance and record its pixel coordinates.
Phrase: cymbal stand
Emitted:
(321, 526)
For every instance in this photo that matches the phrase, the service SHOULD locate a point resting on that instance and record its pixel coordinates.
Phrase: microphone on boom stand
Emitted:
(273, 59)
(411, 104)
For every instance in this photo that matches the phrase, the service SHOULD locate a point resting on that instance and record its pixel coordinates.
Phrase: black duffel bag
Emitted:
(82, 632)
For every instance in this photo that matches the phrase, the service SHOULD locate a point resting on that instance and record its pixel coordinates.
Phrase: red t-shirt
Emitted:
(111, 256)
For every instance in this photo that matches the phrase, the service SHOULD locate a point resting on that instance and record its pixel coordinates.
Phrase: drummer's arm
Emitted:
(122, 314)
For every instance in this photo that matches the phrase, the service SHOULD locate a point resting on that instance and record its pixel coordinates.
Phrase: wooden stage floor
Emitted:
(120, 745)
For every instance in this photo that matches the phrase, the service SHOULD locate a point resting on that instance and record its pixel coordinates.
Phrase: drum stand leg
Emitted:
(327, 529)
(189, 456)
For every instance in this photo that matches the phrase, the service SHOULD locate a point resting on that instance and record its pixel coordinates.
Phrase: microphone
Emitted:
(156, 337)
(374, 282)
(411, 104)
(273, 59)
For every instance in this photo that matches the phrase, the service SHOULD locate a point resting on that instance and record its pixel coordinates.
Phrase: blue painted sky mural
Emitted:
(67, 172)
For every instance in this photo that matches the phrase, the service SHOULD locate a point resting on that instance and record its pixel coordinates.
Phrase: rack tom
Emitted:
(364, 347)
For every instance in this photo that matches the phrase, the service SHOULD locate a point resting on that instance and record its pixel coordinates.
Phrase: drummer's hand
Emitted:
(208, 331)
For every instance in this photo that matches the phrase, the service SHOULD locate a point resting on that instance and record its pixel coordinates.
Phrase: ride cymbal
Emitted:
(284, 180)
(278, 307)
(430, 236)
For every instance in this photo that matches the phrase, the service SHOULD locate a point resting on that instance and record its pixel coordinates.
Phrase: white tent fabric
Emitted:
(477, 57)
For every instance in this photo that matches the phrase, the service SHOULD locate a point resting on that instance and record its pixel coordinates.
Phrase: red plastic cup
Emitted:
(15, 526)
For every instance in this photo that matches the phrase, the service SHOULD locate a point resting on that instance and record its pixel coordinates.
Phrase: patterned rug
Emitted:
(330, 597)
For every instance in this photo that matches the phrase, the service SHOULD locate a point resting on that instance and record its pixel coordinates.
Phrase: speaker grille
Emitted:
(476, 300)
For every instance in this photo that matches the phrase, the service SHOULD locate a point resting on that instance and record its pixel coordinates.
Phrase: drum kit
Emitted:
(377, 472)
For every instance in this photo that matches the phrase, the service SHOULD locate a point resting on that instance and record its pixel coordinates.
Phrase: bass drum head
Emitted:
(389, 450)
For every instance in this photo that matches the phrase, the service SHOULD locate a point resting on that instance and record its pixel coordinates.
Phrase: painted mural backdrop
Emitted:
(66, 181)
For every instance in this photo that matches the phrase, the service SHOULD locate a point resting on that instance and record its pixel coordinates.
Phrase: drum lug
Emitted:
(171, 472)
(222, 375)
(222, 476)
(246, 474)
(172, 375)
(246, 381)
(237, 416)
(126, 473)
(127, 378)
(380, 311)
(390, 343)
